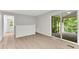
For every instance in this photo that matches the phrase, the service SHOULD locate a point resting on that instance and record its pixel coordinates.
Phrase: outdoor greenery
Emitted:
(70, 24)
(55, 24)
(11, 23)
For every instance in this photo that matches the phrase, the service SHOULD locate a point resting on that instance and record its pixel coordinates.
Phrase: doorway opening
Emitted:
(8, 27)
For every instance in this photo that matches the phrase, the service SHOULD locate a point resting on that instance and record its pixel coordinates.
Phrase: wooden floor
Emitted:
(37, 41)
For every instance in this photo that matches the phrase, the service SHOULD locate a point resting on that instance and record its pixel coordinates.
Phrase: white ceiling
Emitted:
(72, 13)
(28, 12)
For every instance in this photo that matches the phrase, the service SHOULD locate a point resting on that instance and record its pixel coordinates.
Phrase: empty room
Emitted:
(39, 29)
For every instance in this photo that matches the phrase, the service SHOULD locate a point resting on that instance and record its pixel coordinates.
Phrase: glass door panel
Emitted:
(69, 26)
(56, 26)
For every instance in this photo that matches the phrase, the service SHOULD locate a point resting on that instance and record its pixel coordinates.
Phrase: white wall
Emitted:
(23, 23)
(5, 24)
(25, 30)
(24, 20)
(44, 23)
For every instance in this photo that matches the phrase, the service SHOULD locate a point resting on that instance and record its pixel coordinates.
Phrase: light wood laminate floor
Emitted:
(37, 41)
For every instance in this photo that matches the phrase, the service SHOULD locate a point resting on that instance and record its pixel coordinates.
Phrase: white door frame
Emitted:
(78, 27)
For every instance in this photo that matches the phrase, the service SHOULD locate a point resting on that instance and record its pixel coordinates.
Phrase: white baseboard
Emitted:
(23, 35)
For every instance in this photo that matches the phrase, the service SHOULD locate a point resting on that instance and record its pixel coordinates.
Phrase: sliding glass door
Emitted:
(65, 26)
(69, 23)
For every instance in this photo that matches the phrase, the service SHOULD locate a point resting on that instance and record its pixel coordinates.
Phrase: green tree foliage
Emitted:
(55, 24)
(70, 24)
